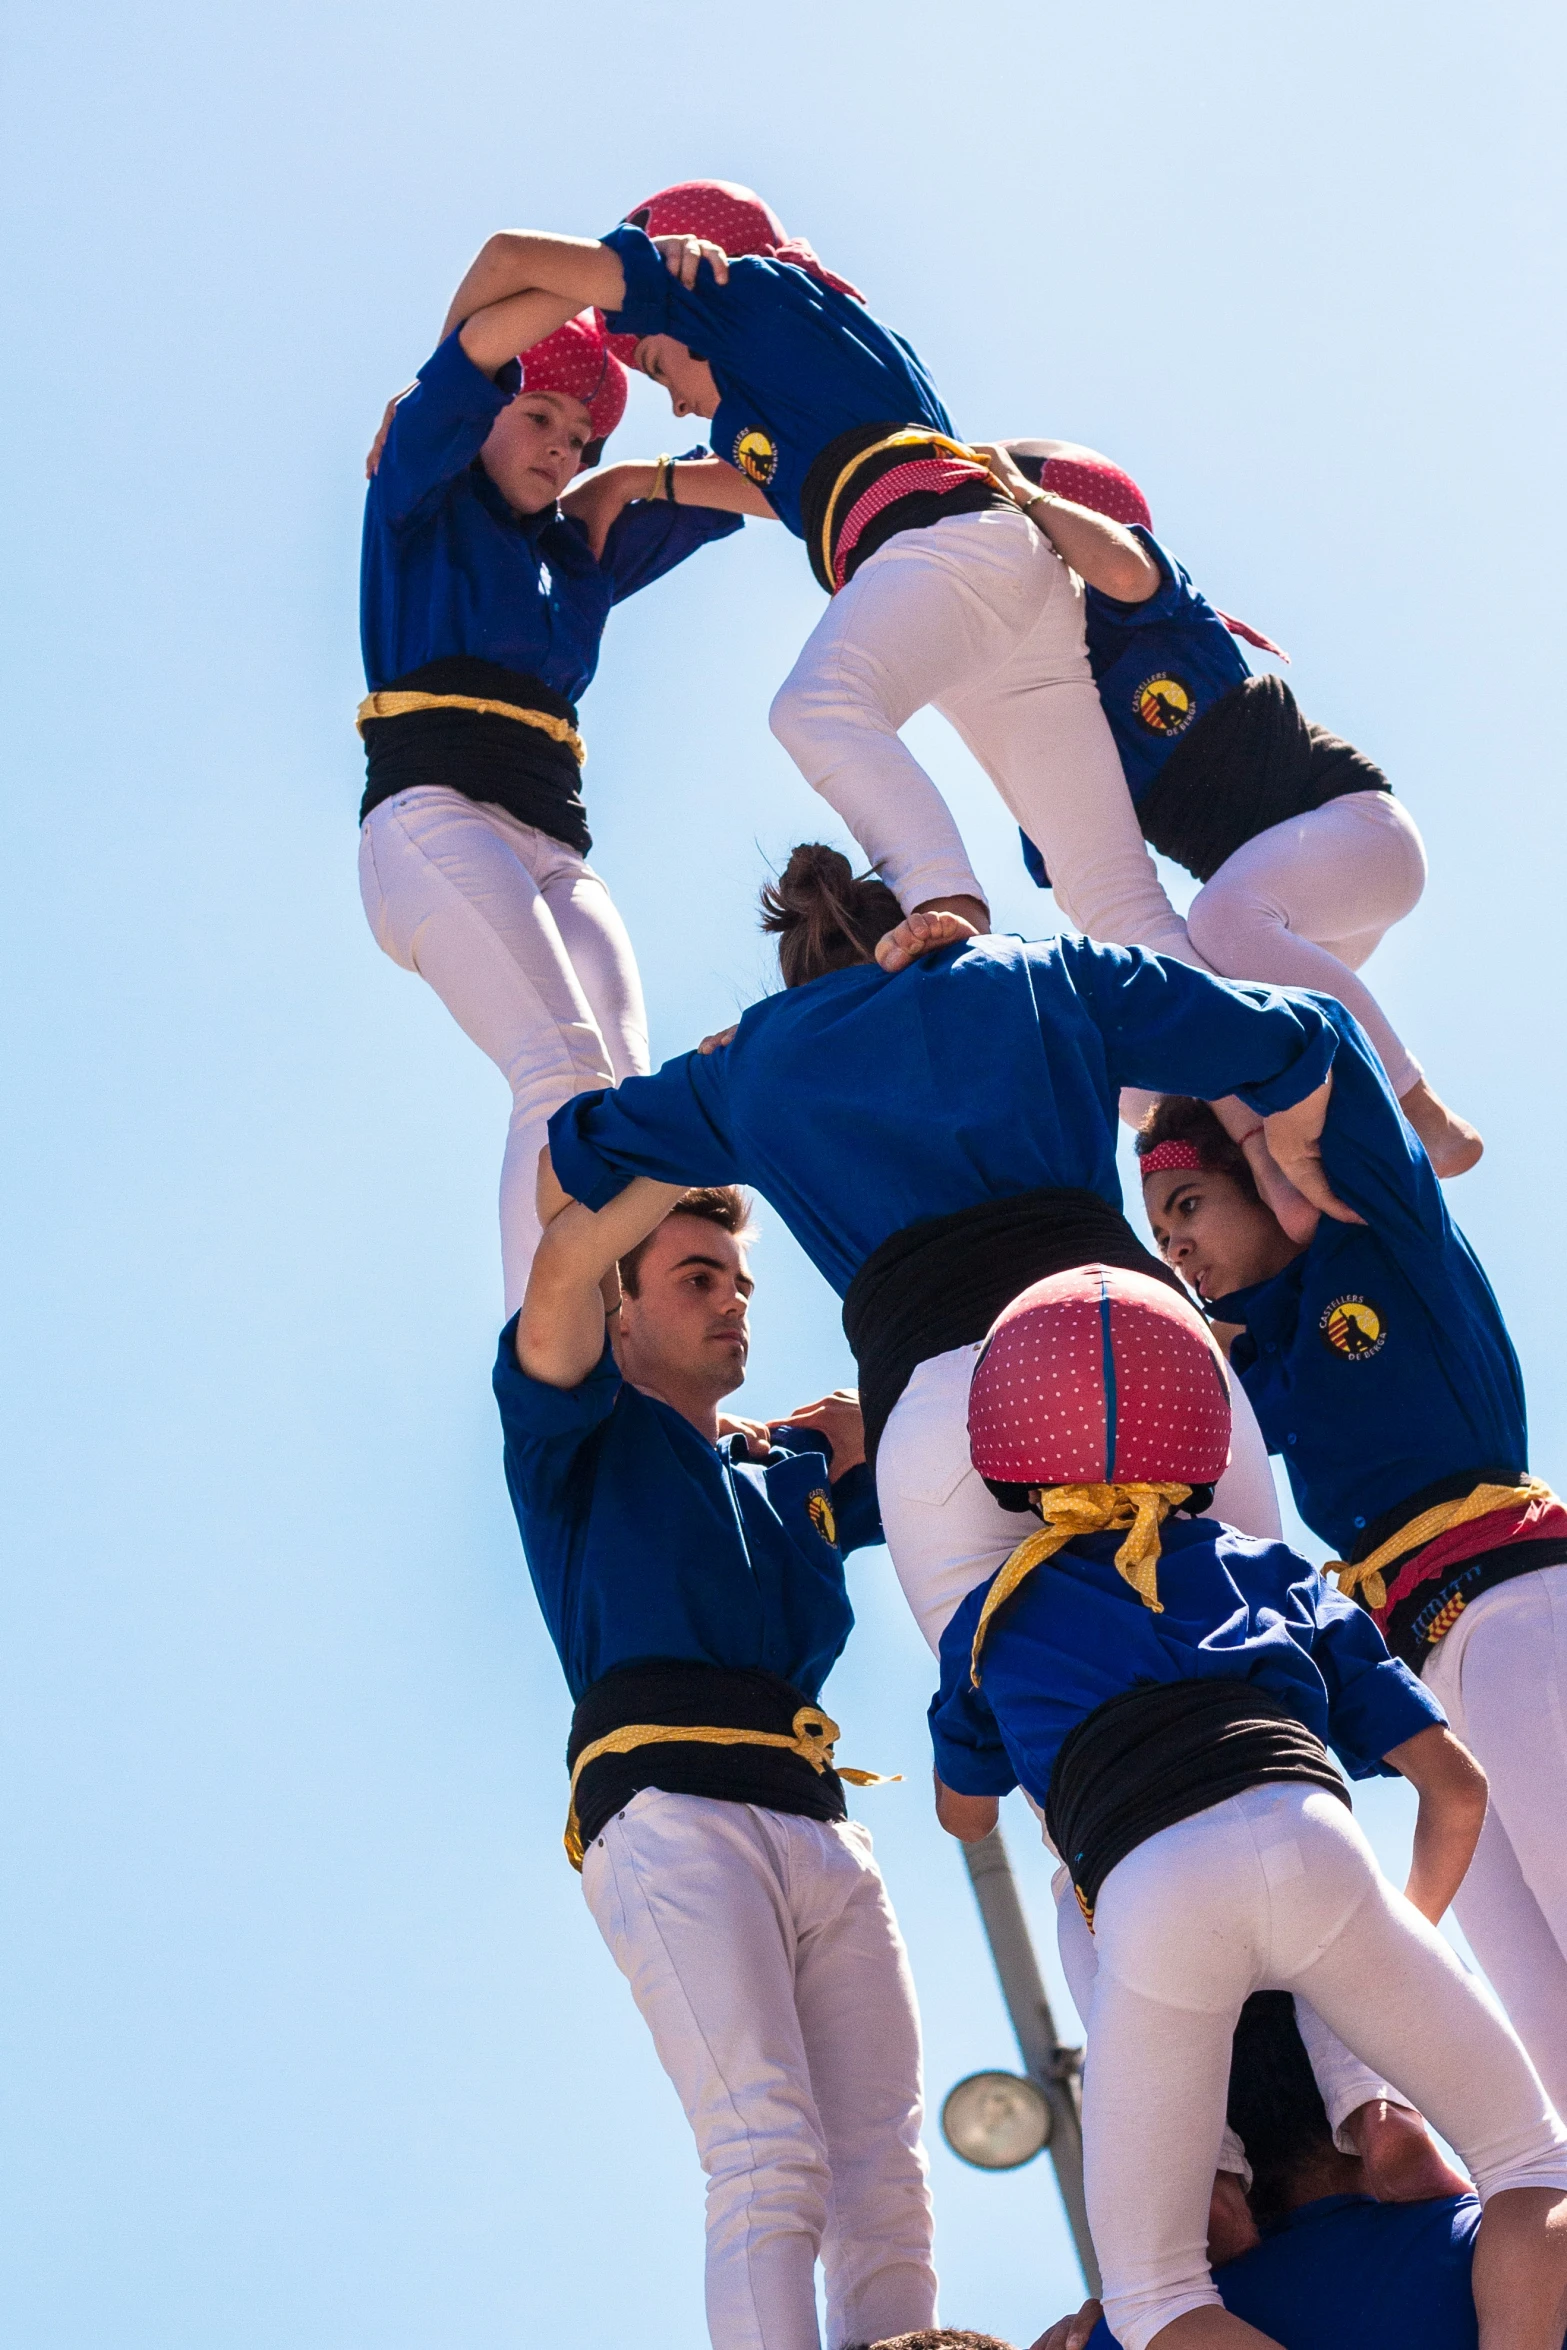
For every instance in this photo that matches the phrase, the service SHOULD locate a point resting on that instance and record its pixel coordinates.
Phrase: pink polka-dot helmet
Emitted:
(1100, 1377)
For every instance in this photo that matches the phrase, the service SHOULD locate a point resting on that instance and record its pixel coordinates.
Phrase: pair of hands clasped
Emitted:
(836, 1415)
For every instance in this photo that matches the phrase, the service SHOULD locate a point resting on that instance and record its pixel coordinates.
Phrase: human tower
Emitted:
(1062, 1438)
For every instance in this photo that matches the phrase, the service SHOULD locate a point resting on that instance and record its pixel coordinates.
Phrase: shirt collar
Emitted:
(1262, 1303)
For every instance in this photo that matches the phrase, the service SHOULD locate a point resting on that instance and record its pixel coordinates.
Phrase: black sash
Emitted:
(686, 1695)
(942, 1282)
(498, 760)
(1249, 762)
(1161, 1753)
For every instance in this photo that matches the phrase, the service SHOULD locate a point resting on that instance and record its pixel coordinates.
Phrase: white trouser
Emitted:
(1344, 2082)
(1274, 1889)
(520, 940)
(979, 616)
(1304, 903)
(945, 1529)
(764, 1956)
(1500, 1676)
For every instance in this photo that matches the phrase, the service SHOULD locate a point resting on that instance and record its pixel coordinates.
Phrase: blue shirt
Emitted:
(447, 566)
(1378, 1361)
(644, 1540)
(796, 363)
(862, 1102)
(1357, 2275)
(1075, 1633)
(1159, 666)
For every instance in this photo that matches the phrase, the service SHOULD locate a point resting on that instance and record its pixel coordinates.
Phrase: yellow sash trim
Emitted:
(397, 705)
(914, 436)
(813, 1736)
(1071, 1510)
(1367, 1574)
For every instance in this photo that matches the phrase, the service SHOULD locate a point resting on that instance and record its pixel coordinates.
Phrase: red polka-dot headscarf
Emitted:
(1095, 482)
(576, 359)
(734, 217)
(1100, 1377)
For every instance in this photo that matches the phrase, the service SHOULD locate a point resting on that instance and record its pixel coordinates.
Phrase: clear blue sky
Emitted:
(308, 2042)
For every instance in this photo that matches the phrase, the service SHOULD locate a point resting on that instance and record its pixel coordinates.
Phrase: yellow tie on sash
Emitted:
(1071, 1510)
(1368, 1574)
(812, 1735)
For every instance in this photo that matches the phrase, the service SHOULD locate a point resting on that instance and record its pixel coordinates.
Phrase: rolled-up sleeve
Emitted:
(971, 1757)
(672, 1126)
(1374, 1701)
(1169, 1028)
(437, 430)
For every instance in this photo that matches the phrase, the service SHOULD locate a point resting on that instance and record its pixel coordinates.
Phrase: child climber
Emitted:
(1168, 1691)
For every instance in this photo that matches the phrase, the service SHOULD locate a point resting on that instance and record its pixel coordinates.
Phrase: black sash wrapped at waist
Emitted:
(490, 733)
(792, 1774)
(878, 479)
(942, 1282)
(1251, 761)
(1161, 1753)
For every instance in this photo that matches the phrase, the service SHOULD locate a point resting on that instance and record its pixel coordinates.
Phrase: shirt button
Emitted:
(1271, 1348)
(1360, 1522)
(1290, 1438)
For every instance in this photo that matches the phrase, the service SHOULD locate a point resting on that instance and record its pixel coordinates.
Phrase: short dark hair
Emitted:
(724, 1204)
(1275, 2106)
(822, 917)
(1175, 1117)
(936, 2338)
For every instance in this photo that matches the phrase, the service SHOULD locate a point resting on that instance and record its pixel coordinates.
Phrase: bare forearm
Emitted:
(1099, 550)
(578, 270)
(968, 1817)
(708, 481)
(1453, 1794)
(560, 1331)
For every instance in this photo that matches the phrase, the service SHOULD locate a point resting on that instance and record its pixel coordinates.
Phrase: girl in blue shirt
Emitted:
(942, 593)
(1305, 856)
(484, 598)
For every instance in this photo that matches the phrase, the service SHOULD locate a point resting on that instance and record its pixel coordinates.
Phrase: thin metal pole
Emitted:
(1045, 2060)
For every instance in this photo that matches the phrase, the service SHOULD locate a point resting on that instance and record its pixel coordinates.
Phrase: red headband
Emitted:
(1165, 1157)
(577, 359)
(737, 219)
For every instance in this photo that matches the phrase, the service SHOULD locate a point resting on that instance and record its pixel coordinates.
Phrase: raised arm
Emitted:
(560, 1331)
(522, 276)
(1102, 552)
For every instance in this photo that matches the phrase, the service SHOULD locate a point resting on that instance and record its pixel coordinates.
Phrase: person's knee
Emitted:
(1226, 923)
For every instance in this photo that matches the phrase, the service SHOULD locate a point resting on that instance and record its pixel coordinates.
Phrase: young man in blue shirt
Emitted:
(1381, 1372)
(692, 1581)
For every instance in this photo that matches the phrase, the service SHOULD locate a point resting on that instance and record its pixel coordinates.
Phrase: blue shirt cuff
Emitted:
(534, 1409)
(458, 387)
(578, 1166)
(1302, 1077)
(1378, 1711)
(645, 309)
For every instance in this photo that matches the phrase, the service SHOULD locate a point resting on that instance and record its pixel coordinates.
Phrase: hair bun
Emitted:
(823, 918)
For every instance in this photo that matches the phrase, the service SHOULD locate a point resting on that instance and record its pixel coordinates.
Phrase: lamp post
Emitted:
(1053, 2068)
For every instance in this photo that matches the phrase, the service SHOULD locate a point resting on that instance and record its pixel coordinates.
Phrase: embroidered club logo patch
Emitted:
(818, 1508)
(755, 456)
(1353, 1328)
(1166, 705)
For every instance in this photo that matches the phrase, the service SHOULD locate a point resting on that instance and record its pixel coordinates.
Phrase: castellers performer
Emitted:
(693, 1583)
(1305, 856)
(942, 591)
(1381, 1371)
(1168, 1691)
(484, 598)
(938, 1136)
